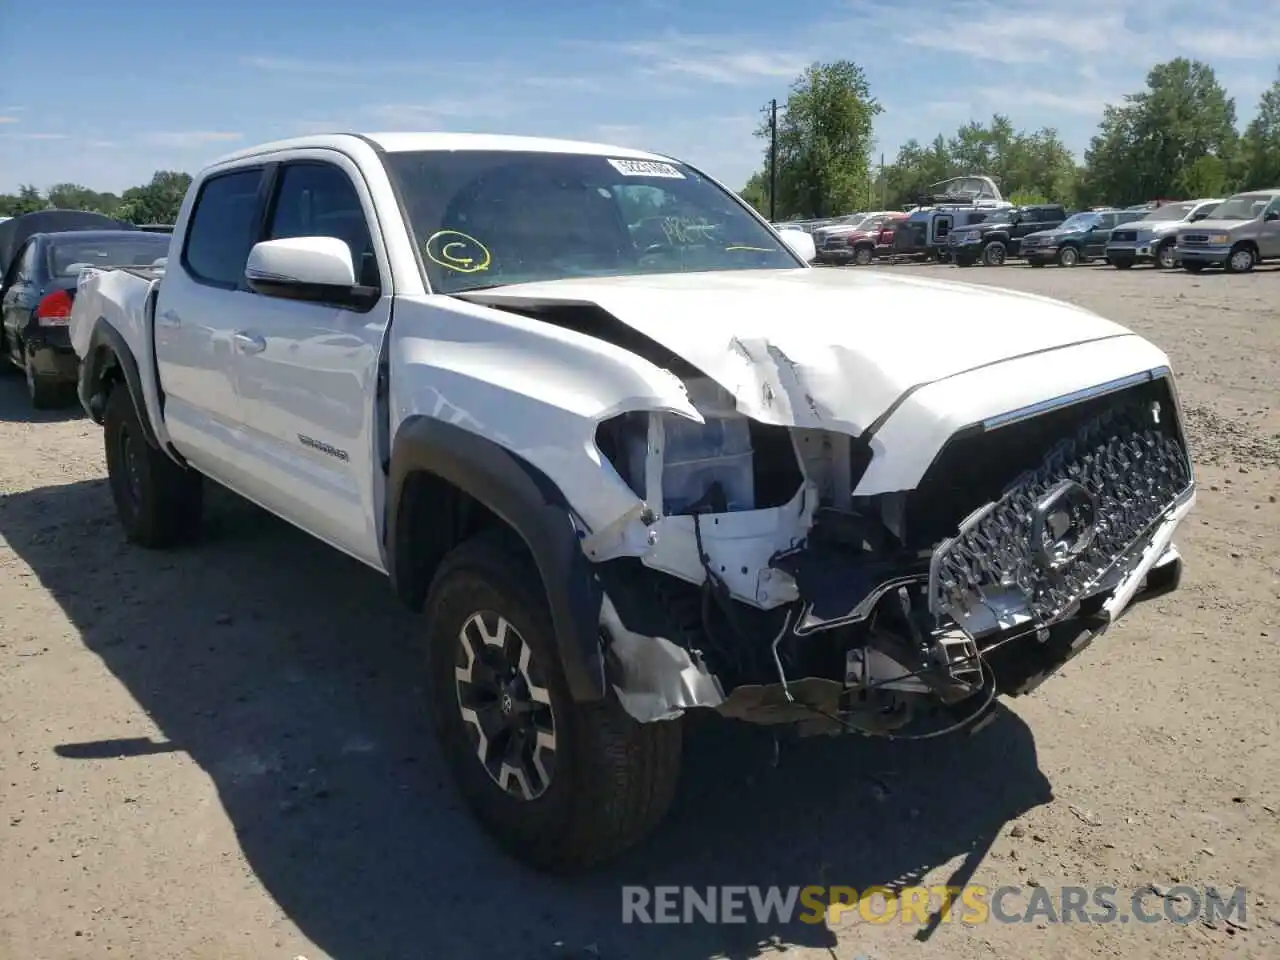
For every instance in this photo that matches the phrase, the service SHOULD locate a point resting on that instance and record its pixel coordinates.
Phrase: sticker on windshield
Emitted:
(646, 168)
(457, 251)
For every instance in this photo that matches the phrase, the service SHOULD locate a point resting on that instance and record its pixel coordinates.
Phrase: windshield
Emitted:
(1171, 211)
(67, 255)
(1079, 221)
(1247, 206)
(488, 218)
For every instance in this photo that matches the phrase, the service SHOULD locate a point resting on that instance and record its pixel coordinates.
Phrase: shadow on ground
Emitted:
(15, 405)
(288, 673)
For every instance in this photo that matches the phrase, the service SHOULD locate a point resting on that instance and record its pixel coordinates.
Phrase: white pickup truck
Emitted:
(633, 455)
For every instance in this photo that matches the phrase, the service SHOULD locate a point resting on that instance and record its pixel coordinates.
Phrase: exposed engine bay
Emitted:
(772, 592)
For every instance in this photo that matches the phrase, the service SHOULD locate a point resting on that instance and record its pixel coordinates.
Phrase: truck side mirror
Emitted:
(313, 269)
(801, 244)
(1272, 215)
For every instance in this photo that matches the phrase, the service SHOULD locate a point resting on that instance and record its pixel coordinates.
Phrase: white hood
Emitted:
(831, 349)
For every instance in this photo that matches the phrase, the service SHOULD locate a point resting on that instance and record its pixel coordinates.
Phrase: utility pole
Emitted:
(773, 161)
(884, 185)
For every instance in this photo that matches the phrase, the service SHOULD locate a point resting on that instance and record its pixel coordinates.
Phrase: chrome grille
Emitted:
(1133, 470)
(1195, 239)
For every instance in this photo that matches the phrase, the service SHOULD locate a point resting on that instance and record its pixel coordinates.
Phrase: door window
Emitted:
(221, 229)
(319, 200)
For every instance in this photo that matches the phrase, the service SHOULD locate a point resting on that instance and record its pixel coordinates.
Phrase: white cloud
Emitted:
(34, 136)
(191, 138)
(727, 60)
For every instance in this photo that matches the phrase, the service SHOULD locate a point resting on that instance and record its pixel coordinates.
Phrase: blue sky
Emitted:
(159, 84)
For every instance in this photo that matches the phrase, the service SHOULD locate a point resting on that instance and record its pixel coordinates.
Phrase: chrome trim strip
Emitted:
(1088, 393)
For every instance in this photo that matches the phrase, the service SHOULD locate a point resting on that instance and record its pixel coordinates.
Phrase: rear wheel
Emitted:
(159, 502)
(561, 785)
(1241, 259)
(1068, 257)
(44, 393)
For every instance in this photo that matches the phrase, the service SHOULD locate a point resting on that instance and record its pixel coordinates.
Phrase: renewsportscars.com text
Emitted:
(971, 904)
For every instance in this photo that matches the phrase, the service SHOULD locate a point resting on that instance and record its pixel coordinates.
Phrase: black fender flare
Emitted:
(107, 346)
(531, 505)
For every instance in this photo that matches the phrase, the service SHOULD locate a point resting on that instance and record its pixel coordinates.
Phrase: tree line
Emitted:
(1176, 139)
(156, 201)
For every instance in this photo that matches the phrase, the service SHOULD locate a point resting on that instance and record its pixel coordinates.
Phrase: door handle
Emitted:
(248, 342)
(169, 319)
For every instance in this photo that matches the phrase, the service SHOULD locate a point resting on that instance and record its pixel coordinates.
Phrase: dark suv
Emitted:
(1000, 235)
(1078, 239)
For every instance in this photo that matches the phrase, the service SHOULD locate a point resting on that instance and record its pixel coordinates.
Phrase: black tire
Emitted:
(1193, 267)
(44, 394)
(613, 779)
(1242, 259)
(159, 502)
(994, 254)
(1069, 256)
(862, 256)
(1164, 258)
(1122, 263)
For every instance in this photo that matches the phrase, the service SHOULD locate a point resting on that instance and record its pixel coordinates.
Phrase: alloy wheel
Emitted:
(506, 705)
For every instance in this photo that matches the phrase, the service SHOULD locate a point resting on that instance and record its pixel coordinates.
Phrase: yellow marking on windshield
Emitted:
(457, 251)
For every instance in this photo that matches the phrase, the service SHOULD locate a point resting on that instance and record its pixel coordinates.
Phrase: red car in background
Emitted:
(884, 238)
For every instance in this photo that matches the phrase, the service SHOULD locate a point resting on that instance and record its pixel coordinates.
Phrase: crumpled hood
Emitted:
(822, 348)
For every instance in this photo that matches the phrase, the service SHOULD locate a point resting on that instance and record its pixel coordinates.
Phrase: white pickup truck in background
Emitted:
(632, 454)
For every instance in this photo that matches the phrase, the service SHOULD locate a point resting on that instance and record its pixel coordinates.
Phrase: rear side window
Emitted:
(222, 227)
(319, 200)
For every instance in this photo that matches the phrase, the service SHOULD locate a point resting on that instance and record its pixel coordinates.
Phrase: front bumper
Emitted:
(834, 255)
(1130, 251)
(1210, 256)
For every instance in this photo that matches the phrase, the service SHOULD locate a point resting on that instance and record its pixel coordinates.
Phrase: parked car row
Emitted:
(1235, 233)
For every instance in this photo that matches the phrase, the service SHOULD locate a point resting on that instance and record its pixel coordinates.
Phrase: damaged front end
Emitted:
(752, 578)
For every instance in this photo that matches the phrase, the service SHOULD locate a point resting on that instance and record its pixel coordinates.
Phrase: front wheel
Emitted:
(1241, 260)
(159, 502)
(862, 256)
(993, 255)
(1165, 258)
(1068, 257)
(561, 785)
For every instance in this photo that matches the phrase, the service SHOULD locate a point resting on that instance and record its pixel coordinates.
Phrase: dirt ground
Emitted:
(222, 753)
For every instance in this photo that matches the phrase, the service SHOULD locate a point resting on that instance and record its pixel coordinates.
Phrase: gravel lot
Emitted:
(221, 752)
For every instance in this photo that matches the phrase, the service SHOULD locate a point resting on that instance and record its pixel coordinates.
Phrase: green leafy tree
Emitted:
(1260, 146)
(158, 201)
(73, 196)
(756, 193)
(825, 138)
(1176, 135)
(28, 199)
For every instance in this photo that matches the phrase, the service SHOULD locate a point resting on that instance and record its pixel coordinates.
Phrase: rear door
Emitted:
(1269, 231)
(1095, 240)
(19, 298)
(307, 372)
(203, 299)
